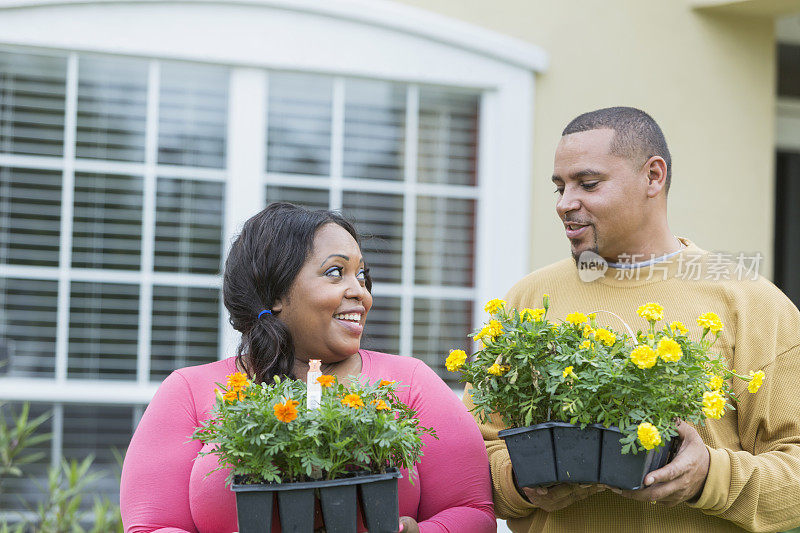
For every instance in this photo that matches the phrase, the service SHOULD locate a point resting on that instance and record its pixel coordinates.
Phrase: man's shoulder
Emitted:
(533, 284)
(761, 294)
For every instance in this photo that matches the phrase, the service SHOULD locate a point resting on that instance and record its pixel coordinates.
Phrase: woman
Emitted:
(296, 287)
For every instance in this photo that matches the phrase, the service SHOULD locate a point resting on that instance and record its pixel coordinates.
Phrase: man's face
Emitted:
(601, 197)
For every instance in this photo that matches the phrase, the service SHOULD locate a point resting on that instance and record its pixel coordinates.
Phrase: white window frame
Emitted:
(344, 38)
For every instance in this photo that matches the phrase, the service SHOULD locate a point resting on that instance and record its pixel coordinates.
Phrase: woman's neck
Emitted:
(351, 366)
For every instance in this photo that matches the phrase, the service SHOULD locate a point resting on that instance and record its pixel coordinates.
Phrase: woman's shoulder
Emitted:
(408, 370)
(216, 370)
(376, 364)
(193, 386)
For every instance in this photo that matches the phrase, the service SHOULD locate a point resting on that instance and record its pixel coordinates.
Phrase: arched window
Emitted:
(135, 138)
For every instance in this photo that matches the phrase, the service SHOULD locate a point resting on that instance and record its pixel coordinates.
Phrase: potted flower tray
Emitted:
(338, 498)
(557, 452)
(604, 403)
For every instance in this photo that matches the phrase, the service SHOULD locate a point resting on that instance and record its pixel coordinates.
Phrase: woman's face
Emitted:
(326, 306)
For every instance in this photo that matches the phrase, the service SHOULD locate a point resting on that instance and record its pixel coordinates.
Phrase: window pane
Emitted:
(112, 108)
(310, 198)
(32, 96)
(189, 216)
(448, 137)
(382, 331)
(30, 216)
(28, 327)
(192, 115)
(98, 430)
(107, 222)
(441, 326)
(299, 124)
(445, 243)
(374, 130)
(379, 219)
(30, 487)
(185, 328)
(103, 330)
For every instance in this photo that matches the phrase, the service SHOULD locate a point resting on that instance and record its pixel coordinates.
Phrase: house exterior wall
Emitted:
(705, 75)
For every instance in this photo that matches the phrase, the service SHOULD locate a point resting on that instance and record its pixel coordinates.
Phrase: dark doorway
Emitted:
(787, 224)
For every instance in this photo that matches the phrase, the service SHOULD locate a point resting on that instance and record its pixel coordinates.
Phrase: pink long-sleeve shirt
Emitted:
(165, 487)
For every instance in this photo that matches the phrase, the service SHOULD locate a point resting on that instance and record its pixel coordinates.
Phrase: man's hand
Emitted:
(680, 480)
(559, 496)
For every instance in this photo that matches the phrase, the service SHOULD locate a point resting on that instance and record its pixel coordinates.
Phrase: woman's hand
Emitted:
(408, 525)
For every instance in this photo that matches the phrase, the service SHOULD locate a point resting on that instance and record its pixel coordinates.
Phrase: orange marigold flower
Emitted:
(286, 412)
(353, 400)
(231, 396)
(380, 405)
(385, 382)
(237, 381)
(326, 380)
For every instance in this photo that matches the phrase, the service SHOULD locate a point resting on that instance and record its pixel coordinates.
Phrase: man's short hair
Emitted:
(636, 134)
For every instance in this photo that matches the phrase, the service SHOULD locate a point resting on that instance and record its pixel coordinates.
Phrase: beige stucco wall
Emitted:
(706, 77)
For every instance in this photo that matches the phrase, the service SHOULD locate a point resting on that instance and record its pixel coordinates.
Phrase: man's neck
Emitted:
(648, 251)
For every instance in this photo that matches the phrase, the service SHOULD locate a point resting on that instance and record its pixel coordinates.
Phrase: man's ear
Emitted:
(277, 306)
(656, 169)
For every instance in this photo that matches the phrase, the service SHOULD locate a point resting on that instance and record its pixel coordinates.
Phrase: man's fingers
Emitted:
(668, 472)
(647, 495)
(683, 429)
(559, 496)
(668, 493)
(562, 490)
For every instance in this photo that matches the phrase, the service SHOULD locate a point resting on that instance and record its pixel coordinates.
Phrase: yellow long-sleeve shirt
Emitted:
(753, 481)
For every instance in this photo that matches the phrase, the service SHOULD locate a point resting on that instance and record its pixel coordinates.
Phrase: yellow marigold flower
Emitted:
(605, 336)
(380, 405)
(710, 321)
(326, 380)
(497, 370)
(353, 400)
(715, 383)
(237, 381)
(531, 314)
(679, 327)
(651, 311)
(644, 356)
(669, 350)
(588, 331)
(648, 435)
(713, 404)
(455, 360)
(586, 344)
(576, 318)
(491, 330)
(492, 306)
(568, 372)
(385, 382)
(286, 412)
(756, 379)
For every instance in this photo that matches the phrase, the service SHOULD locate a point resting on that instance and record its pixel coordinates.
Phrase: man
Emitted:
(612, 174)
